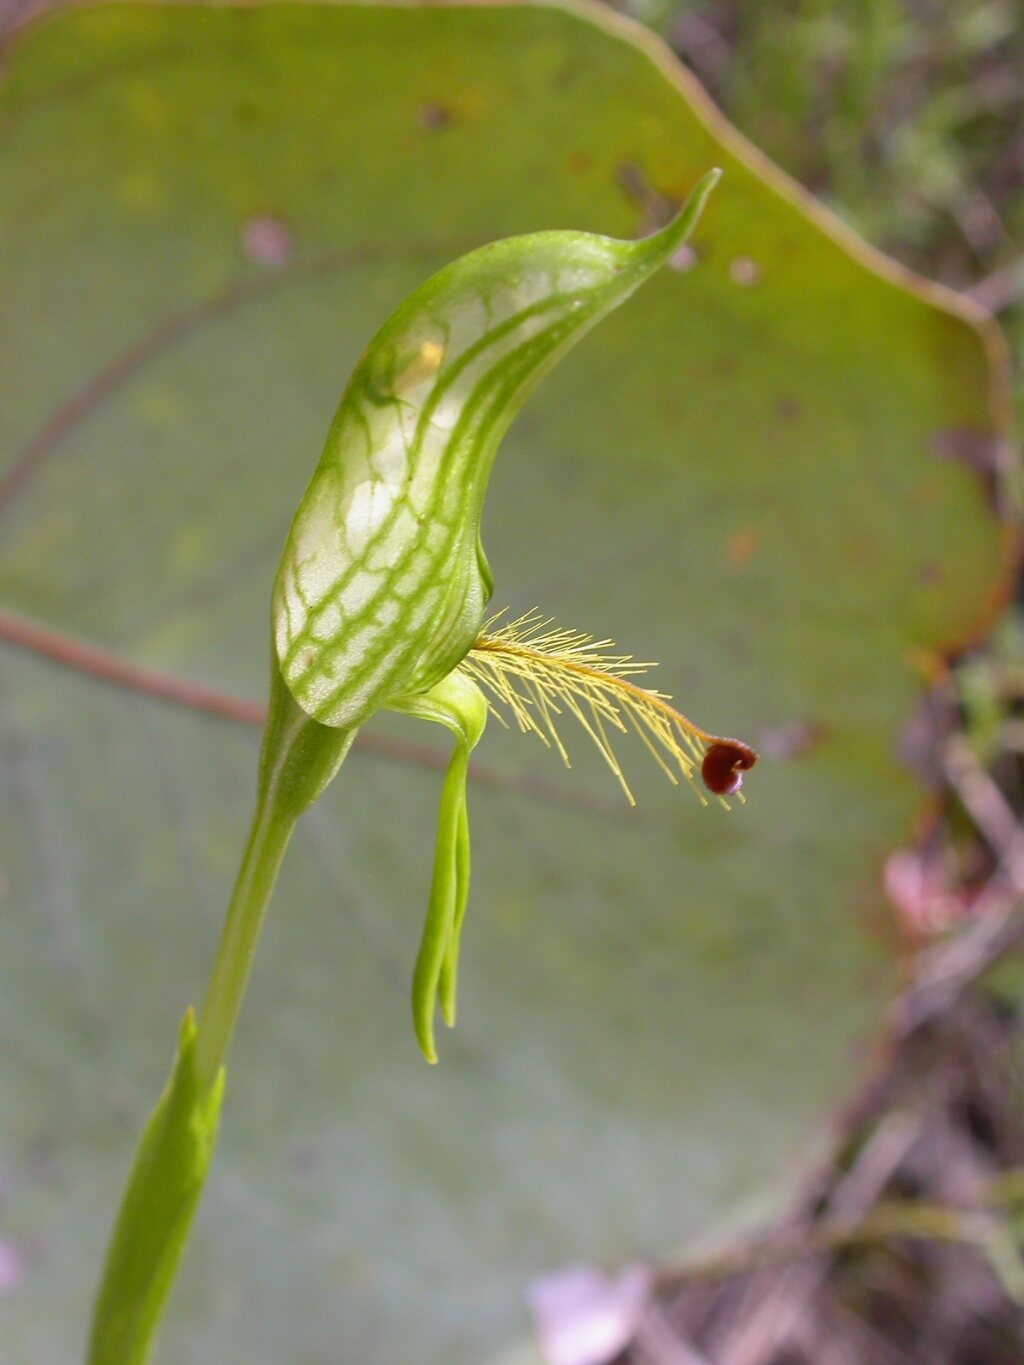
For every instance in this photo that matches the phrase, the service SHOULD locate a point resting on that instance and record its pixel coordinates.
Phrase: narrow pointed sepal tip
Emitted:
(423, 1027)
(682, 226)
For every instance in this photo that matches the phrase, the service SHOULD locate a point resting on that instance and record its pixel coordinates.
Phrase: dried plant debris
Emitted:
(904, 1251)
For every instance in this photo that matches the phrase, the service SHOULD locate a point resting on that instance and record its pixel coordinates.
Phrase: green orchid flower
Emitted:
(381, 602)
(383, 586)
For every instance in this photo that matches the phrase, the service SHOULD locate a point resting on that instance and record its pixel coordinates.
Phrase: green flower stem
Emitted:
(291, 740)
(298, 759)
(268, 839)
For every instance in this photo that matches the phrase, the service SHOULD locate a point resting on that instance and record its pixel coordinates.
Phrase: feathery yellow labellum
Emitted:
(541, 672)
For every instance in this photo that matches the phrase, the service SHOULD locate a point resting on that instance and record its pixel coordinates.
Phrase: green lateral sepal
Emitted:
(458, 704)
(157, 1211)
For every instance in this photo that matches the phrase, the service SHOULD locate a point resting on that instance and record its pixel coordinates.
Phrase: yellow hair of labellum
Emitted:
(540, 673)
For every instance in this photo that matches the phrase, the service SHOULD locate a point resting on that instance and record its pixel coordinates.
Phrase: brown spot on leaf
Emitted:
(741, 548)
(926, 492)
(787, 408)
(578, 162)
(715, 367)
(435, 117)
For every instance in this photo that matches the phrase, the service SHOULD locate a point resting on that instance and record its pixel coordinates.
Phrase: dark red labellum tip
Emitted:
(724, 765)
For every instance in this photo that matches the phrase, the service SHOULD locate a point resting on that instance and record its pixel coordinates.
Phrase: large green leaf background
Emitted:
(204, 214)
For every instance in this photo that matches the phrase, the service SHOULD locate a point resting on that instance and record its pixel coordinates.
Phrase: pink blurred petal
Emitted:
(12, 1267)
(583, 1317)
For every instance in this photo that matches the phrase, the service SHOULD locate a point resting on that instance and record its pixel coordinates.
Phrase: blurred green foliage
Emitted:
(905, 116)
